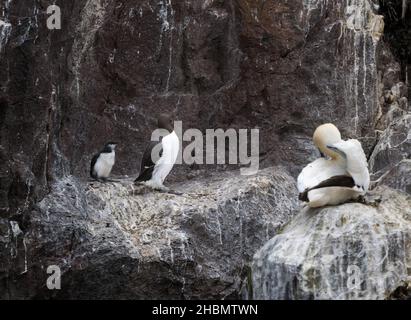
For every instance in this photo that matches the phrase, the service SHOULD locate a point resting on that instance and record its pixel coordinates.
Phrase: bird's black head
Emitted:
(164, 121)
(110, 146)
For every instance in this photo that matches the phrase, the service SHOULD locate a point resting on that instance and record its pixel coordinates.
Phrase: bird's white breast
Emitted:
(319, 171)
(357, 165)
(171, 146)
(104, 164)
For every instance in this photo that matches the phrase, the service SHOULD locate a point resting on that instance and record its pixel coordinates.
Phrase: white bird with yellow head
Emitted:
(340, 175)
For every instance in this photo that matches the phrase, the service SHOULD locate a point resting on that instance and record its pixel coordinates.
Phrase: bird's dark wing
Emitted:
(336, 181)
(147, 163)
(93, 162)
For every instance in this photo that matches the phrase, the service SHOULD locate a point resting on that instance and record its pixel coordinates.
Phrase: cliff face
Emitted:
(352, 251)
(118, 241)
(283, 67)
(280, 66)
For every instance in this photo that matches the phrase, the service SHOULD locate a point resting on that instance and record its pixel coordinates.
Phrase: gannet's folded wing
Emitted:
(357, 165)
(316, 172)
(336, 181)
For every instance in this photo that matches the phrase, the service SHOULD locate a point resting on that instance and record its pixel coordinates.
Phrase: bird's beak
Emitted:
(336, 150)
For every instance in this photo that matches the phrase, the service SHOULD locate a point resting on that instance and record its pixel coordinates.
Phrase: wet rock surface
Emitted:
(397, 15)
(116, 240)
(282, 67)
(390, 160)
(351, 251)
(403, 292)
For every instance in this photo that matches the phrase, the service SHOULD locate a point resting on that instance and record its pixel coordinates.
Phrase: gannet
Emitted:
(342, 176)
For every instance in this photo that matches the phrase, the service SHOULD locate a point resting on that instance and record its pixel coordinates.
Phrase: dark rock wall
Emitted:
(281, 66)
(398, 32)
(111, 241)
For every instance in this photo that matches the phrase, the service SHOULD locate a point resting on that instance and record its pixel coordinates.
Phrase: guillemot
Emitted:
(103, 162)
(159, 156)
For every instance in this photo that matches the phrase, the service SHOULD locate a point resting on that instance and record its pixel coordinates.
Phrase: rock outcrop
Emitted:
(110, 241)
(390, 162)
(403, 292)
(351, 251)
(397, 33)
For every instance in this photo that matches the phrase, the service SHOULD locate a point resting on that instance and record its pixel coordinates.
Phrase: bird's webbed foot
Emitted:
(370, 200)
(161, 188)
(164, 189)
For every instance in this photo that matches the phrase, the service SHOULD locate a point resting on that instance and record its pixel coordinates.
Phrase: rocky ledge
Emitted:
(115, 241)
(351, 251)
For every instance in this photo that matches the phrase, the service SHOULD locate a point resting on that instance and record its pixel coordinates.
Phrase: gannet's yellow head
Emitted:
(327, 134)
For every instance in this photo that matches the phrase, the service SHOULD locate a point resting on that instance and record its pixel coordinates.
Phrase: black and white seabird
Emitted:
(103, 162)
(340, 177)
(153, 171)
